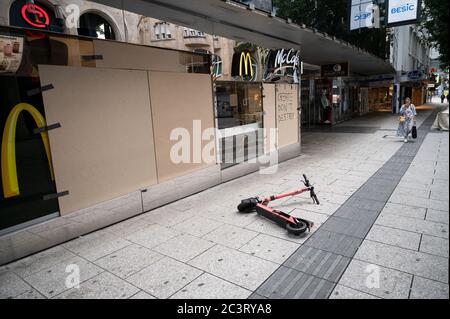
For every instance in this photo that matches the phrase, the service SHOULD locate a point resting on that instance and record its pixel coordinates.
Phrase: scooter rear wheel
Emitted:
(298, 229)
(248, 205)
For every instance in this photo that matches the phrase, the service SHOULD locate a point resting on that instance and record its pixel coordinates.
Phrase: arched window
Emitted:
(95, 26)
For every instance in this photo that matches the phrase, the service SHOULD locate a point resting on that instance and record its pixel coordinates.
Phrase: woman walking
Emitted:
(407, 119)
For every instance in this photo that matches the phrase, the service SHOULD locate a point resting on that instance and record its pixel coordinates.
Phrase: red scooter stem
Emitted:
(281, 196)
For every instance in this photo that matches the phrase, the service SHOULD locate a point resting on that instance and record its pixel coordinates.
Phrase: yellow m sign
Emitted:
(245, 62)
(8, 151)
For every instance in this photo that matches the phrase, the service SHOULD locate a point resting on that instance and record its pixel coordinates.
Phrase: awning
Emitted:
(238, 22)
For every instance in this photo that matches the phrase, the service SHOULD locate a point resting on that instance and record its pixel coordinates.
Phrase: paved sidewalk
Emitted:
(200, 247)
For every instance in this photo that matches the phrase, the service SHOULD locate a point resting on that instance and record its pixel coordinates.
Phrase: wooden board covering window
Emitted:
(104, 148)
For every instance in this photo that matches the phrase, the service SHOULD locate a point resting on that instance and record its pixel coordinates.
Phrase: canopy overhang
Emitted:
(239, 22)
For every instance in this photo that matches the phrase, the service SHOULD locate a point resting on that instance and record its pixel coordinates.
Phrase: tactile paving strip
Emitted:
(313, 271)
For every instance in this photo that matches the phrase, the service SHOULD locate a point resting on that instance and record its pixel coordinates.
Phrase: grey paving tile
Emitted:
(318, 263)
(413, 225)
(265, 226)
(54, 280)
(405, 211)
(434, 245)
(197, 226)
(32, 294)
(376, 280)
(316, 218)
(210, 287)
(164, 278)
(239, 268)
(365, 204)
(342, 292)
(395, 237)
(142, 295)
(333, 242)
(428, 289)
(103, 286)
(166, 216)
(231, 236)
(405, 260)
(357, 214)
(184, 247)
(35, 263)
(129, 260)
(255, 296)
(411, 200)
(349, 227)
(12, 285)
(96, 245)
(437, 216)
(270, 248)
(153, 236)
(128, 227)
(287, 283)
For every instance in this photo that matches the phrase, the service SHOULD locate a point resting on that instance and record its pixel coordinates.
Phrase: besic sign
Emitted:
(403, 12)
(361, 14)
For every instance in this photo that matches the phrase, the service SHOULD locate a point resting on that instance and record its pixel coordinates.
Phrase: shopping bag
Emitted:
(414, 132)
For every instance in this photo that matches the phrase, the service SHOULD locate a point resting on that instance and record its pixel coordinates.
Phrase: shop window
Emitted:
(217, 66)
(240, 120)
(95, 26)
(162, 31)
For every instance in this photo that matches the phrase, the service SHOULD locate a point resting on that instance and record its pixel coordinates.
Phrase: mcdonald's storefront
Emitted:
(86, 130)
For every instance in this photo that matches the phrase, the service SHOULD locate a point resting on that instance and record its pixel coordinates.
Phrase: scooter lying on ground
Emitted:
(293, 225)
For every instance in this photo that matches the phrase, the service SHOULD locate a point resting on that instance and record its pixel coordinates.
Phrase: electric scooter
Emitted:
(293, 225)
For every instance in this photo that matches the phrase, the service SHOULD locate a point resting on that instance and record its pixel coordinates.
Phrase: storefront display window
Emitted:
(240, 118)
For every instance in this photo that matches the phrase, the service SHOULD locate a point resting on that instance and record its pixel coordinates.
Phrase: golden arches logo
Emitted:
(8, 151)
(245, 61)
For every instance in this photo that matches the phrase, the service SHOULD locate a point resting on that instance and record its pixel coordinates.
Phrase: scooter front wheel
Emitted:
(298, 229)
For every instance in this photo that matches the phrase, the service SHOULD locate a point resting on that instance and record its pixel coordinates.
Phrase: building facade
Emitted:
(411, 58)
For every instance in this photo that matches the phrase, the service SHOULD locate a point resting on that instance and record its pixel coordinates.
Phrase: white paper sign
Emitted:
(11, 51)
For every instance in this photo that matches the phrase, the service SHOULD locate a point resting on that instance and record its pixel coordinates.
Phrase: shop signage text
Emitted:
(283, 59)
(335, 70)
(35, 16)
(402, 12)
(283, 63)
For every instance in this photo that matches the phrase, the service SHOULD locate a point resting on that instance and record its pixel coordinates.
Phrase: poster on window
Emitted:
(11, 51)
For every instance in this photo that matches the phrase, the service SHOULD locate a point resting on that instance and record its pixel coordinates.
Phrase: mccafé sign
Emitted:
(10, 180)
(283, 63)
(286, 58)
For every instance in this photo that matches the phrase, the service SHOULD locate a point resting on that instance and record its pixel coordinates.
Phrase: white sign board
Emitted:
(403, 11)
(361, 14)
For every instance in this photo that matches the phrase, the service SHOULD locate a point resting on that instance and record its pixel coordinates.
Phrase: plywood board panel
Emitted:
(179, 99)
(269, 116)
(287, 114)
(136, 57)
(104, 148)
